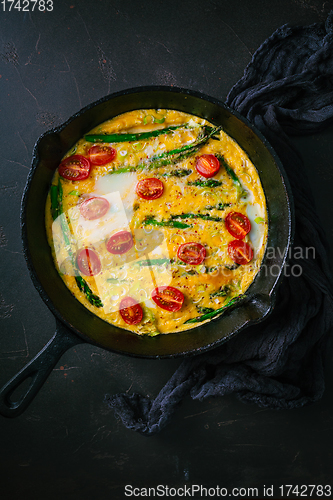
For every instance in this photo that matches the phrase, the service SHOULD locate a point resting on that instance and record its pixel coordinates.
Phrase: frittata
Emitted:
(157, 221)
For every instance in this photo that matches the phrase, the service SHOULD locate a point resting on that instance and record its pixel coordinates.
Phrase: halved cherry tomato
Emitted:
(100, 155)
(150, 189)
(237, 224)
(75, 168)
(240, 252)
(120, 243)
(191, 253)
(168, 298)
(88, 262)
(207, 165)
(130, 310)
(94, 208)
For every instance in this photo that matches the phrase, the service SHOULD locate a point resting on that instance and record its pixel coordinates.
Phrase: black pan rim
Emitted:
(138, 90)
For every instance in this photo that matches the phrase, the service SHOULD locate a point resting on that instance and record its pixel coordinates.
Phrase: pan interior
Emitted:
(54, 144)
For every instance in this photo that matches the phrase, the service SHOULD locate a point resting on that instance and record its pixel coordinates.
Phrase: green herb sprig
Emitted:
(219, 206)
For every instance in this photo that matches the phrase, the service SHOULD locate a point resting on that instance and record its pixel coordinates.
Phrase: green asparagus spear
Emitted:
(84, 287)
(178, 172)
(197, 216)
(157, 162)
(228, 169)
(241, 191)
(169, 223)
(173, 156)
(216, 312)
(130, 137)
(208, 183)
(207, 134)
(154, 162)
(57, 211)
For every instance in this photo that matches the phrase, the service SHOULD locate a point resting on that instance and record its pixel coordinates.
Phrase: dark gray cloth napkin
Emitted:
(286, 89)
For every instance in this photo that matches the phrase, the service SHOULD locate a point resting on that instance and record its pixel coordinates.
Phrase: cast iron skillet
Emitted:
(74, 323)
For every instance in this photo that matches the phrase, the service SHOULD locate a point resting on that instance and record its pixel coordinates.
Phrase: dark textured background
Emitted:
(68, 445)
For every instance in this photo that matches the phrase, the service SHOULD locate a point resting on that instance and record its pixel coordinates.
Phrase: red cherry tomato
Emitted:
(150, 189)
(168, 298)
(94, 208)
(88, 262)
(240, 252)
(237, 224)
(100, 155)
(120, 243)
(75, 168)
(130, 310)
(207, 165)
(191, 253)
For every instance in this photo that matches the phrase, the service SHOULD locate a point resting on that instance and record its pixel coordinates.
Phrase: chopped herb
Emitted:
(178, 172)
(148, 324)
(259, 220)
(219, 206)
(222, 292)
(231, 267)
(205, 310)
(72, 151)
(190, 272)
(154, 262)
(153, 119)
(114, 281)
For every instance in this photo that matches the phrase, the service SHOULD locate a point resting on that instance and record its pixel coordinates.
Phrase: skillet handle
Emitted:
(38, 369)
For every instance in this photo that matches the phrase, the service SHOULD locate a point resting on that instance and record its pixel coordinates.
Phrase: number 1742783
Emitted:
(27, 5)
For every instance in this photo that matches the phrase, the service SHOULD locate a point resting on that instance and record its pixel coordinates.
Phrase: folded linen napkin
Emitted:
(286, 89)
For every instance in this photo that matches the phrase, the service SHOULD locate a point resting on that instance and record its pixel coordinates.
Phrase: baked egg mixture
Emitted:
(157, 221)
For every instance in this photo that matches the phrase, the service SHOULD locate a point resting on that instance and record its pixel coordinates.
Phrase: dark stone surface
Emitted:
(68, 444)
